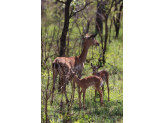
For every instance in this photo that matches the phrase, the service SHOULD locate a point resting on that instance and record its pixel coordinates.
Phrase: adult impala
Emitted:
(104, 75)
(62, 65)
(84, 83)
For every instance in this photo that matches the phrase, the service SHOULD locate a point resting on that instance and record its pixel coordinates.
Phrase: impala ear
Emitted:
(93, 36)
(86, 36)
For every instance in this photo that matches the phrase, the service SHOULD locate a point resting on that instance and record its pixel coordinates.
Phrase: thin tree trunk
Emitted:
(46, 109)
(110, 30)
(88, 24)
(99, 25)
(42, 51)
(117, 20)
(106, 38)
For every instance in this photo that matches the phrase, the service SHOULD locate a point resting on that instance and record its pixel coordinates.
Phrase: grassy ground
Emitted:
(110, 113)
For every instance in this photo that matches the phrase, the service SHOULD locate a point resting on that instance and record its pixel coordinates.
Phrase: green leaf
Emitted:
(86, 116)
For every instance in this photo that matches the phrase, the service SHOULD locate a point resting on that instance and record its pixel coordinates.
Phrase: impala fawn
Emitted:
(84, 83)
(104, 75)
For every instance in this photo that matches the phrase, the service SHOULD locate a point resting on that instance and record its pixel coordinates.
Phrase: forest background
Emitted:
(64, 26)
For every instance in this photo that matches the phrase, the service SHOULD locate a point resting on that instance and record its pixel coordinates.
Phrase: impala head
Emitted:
(91, 40)
(94, 68)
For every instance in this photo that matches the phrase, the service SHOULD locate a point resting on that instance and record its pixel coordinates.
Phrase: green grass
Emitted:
(112, 111)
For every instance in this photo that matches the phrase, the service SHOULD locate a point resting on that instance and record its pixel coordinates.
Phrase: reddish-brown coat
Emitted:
(104, 75)
(87, 82)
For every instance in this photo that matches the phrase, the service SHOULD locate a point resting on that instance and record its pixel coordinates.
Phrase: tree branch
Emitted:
(61, 1)
(84, 16)
(78, 28)
(79, 10)
(103, 12)
(110, 8)
(48, 57)
(72, 11)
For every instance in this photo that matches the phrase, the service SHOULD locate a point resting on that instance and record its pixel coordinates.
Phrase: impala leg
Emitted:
(84, 98)
(66, 95)
(73, 90)
(108, 91)
(101, 95)
(80, 97)
(60, 84)
(64, 89)
(79, 76)
(65, 81)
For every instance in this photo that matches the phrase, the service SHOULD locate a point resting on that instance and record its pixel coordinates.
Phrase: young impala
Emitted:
(104, 75)
(84, 83)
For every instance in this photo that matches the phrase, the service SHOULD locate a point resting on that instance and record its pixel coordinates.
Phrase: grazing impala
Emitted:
(104, 75)
(62, 65)
(84, 83)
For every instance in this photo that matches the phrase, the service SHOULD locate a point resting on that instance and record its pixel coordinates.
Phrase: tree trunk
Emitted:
(42, 51)
(65, 29)
(99, 25)
(64, 34)
(106, 38)
(117, 20)
(88, 24)
(67, 46)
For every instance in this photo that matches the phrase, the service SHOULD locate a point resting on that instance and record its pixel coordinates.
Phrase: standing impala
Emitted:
(62, 65)
(84, 83)
(104, 75)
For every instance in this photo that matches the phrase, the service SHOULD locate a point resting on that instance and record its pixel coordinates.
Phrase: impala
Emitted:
(84, 83)
(104, 75)
(62, 65)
